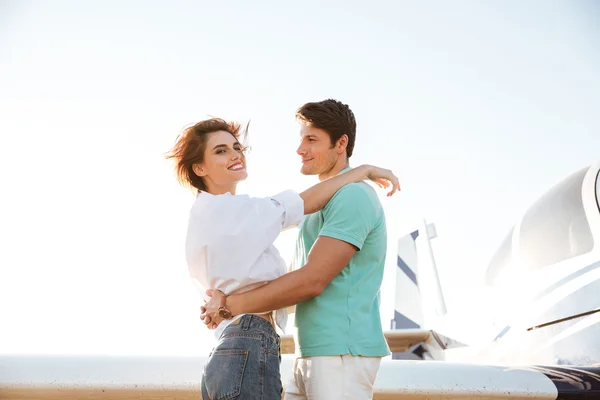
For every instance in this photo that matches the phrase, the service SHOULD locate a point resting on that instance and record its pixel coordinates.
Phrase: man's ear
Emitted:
(342, 143)
(198, 170)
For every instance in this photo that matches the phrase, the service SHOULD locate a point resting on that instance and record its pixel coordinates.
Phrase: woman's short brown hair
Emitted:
(190, 145)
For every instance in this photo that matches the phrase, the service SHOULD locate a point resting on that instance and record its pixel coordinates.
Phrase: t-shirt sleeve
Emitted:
(349, 216)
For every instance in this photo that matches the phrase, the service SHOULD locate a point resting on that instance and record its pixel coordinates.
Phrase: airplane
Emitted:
(546, 344)
(544, 277)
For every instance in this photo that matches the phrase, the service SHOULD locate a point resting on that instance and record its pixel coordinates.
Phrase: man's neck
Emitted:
(335, 170)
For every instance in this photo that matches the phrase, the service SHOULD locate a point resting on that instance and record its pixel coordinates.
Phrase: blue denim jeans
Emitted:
(245, 363)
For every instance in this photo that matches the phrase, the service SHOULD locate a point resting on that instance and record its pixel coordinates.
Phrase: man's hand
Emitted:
(209, 310)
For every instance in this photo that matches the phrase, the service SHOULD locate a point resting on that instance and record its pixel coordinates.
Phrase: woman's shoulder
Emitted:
(208, 204)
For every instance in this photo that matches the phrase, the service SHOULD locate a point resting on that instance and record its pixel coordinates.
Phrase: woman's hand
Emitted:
(384, 178)
(209, 311)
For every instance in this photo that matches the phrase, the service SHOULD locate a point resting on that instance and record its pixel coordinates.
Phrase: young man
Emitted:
(337, 272)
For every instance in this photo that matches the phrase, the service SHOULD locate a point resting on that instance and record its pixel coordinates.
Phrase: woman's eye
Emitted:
(220, 151)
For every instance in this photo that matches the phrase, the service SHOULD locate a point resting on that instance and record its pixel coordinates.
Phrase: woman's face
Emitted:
(224, 163)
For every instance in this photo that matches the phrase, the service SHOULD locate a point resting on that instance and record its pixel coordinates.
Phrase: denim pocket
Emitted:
(223, 373)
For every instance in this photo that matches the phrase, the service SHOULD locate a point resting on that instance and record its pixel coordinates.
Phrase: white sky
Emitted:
(478, 106)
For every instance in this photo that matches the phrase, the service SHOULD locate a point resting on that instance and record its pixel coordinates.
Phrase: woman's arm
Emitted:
(317, 196)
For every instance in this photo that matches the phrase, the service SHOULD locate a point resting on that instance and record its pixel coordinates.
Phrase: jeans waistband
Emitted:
(249, 321)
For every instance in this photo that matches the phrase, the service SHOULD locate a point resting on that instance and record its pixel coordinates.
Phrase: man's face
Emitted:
(318, 154)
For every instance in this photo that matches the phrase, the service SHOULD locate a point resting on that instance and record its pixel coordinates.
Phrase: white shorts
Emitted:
(344, 377)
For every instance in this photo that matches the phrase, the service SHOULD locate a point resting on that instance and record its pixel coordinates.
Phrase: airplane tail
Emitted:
(419, 300)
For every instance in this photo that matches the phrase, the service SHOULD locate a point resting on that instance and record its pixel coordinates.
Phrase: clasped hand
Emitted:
(209, 311)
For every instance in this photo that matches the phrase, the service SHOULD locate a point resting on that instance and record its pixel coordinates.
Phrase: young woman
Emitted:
(229, 247)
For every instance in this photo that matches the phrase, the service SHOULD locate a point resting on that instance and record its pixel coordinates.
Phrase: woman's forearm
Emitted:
(317, 196)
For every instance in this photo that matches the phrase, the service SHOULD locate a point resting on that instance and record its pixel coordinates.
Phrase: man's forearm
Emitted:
(287, 290)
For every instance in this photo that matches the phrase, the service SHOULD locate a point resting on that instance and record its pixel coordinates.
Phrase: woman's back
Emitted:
(229, 243)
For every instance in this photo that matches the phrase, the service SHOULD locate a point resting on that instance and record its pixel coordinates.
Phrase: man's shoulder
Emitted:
(357, 194)
(354, 204)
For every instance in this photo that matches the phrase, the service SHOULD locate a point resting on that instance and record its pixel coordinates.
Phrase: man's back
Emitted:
(345, 318)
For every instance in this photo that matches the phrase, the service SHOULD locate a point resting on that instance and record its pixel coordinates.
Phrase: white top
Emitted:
(229, 244)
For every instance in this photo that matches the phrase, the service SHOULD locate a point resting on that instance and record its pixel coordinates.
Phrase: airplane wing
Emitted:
(400, 340)
(178, 378)
(444, 380)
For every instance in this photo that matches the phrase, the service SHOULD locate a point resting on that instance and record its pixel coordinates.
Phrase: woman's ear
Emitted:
(198, 170)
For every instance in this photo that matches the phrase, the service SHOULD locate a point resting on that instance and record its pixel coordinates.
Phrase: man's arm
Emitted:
(326, 259)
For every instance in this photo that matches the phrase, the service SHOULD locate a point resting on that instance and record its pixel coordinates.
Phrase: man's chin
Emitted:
(306, 171)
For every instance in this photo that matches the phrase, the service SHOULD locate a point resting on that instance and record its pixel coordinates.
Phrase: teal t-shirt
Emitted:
(345, 318)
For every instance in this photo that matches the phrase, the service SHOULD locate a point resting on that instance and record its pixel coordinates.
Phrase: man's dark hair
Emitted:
(333, 117)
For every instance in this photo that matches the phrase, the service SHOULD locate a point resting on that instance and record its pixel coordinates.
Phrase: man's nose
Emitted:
(300, 150)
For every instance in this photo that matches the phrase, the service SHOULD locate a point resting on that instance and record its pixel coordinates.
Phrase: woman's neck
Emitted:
(217, 190)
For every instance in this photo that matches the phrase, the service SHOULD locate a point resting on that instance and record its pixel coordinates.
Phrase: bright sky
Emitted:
(478, 106)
